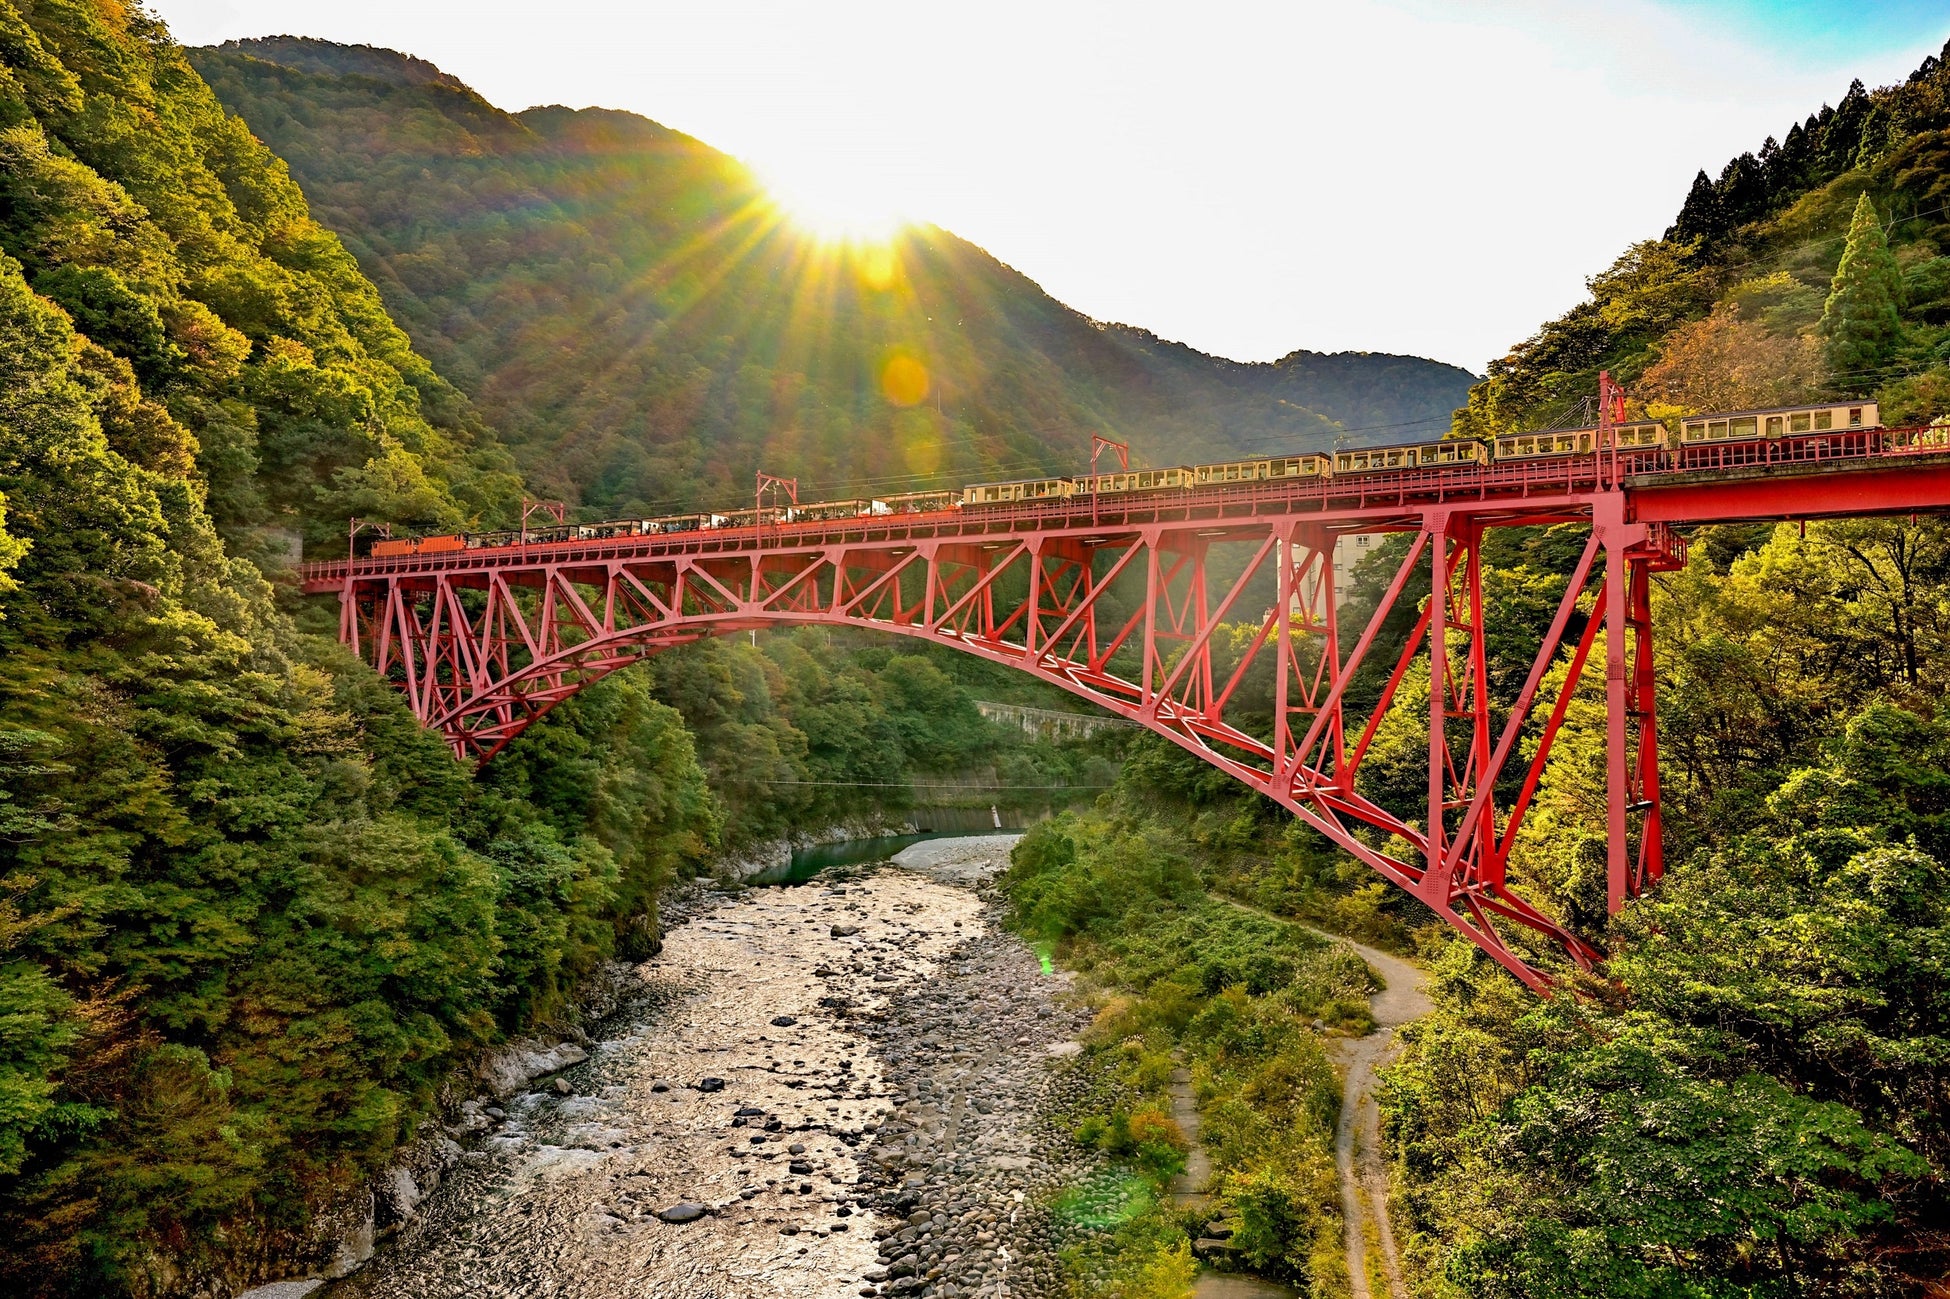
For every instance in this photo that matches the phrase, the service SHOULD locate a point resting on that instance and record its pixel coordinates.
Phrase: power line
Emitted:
(887, 784)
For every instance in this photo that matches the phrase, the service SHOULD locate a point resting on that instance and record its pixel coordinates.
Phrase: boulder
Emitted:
(683, 1211)
(514, 1066)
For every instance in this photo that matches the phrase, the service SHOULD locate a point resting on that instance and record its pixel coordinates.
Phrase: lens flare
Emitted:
(903, 380)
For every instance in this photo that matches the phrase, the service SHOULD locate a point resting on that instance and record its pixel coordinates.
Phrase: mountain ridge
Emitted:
(645, 329)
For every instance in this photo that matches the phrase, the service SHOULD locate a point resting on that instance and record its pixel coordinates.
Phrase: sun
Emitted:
(834, 206)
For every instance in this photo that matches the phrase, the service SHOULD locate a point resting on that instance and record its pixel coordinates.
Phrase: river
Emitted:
(839, 1083)
(837, 1086)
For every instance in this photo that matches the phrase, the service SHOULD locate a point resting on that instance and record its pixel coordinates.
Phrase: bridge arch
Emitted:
(1120, 605)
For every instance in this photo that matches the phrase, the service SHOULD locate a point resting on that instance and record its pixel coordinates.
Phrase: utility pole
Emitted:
(1611, 413)
(786, 487)
(353, 527)
(554, 509)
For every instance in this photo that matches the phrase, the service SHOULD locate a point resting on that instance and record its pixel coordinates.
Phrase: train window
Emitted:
(1799, 423)
(1742, 428)
(1773, 426)
(1824, 419)
(1855, 417)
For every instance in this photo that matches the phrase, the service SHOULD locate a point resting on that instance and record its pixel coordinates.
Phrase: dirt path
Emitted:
(1357, 1144)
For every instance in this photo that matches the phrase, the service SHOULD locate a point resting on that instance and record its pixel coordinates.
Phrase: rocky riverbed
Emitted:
(831, 1089)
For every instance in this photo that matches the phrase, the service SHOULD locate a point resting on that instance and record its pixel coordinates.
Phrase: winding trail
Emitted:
(1357, 1143)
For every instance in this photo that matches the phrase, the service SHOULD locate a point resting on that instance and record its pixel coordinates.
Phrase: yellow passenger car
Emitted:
(1248, 471)
(1136, 480)
(1423, 455)
(1783, 421)
(1645, 435)
(1030, 489)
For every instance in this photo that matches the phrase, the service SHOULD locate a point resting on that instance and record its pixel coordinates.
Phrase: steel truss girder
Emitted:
(1128, 618)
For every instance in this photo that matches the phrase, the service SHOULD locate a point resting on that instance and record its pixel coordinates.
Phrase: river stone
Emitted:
(710, 1084)
(799, 1166)
(845, 931)
(783, 1021)
(682, 1211)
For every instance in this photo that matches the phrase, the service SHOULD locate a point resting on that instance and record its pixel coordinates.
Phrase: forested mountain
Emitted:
(1737, 305)
(252, 917)
(633, 314)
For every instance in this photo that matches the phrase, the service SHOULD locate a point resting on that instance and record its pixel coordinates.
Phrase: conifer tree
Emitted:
(1861, 321)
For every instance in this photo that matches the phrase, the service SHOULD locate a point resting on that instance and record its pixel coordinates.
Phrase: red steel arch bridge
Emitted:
(1118, 599)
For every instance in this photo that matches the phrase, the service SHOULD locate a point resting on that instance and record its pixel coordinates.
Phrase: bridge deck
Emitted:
(1889, 481)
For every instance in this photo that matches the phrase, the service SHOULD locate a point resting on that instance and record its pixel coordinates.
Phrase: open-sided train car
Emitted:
(918, 503)
(827, 511)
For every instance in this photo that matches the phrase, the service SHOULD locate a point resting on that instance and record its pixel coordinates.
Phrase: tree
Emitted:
(1861, 321)
(1729, 362)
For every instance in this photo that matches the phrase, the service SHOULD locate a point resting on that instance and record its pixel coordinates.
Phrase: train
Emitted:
(1691, 440)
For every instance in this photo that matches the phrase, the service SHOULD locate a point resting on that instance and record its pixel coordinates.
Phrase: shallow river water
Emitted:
(802, 1071)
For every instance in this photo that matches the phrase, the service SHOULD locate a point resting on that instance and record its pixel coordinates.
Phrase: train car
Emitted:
(489, 540)
(676, 523)
(917, 503)
(1645, 435)
(1275, 467)
(767, 517)
(1779, 422)
(1136, 480)
(1422, 455)
(609, 529)
(827, 511)
(391, 548)
(1028, 489)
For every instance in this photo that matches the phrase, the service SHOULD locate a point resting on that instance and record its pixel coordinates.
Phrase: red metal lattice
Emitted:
(1114, 599)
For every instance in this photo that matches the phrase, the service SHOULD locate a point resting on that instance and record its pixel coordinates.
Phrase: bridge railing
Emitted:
(1522, 479)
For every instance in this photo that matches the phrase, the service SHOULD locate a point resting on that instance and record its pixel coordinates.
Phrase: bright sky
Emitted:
(1248, 176)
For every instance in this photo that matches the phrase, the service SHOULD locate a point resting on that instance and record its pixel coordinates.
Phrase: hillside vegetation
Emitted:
(252, 917)
(1739, 306)
(646, 329)
(1752, 1101)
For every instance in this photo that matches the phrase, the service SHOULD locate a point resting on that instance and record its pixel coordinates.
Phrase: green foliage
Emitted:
(1862, 318)
(251, 915)
(178, 244)
(1761, 1112)
(1192, 981)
